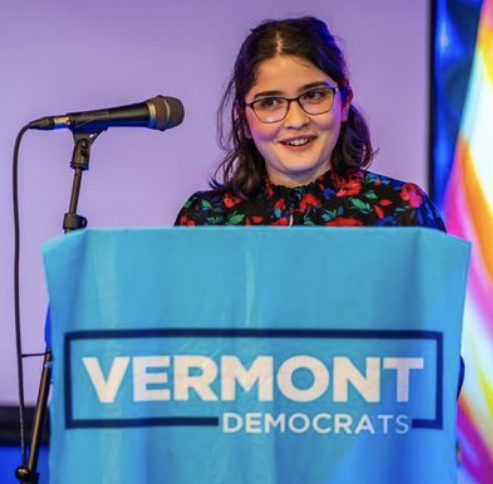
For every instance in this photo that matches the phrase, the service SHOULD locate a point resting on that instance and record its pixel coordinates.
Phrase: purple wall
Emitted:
(57, 58)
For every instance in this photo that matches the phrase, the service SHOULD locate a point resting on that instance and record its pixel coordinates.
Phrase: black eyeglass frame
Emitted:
(334, 90)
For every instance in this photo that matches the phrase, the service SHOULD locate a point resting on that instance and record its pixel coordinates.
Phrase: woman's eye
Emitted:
(316, 95)
(269, 103)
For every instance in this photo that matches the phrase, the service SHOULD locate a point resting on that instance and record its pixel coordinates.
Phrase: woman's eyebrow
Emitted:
(313, 85)
(301, 89)
(267, 93)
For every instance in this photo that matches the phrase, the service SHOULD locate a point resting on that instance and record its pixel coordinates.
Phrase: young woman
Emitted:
(297, 147)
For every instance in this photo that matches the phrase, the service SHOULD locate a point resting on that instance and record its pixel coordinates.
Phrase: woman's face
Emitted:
(286, 163)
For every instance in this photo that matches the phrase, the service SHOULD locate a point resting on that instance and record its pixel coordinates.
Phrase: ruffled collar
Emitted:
(329, 180)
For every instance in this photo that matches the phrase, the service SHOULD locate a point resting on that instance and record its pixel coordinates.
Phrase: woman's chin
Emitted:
(298, 174)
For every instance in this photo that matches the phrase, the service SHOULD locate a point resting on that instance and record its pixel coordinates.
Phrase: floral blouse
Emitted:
(360, 198)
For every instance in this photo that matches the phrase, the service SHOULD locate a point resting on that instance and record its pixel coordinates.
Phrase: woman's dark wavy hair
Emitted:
(243, 167)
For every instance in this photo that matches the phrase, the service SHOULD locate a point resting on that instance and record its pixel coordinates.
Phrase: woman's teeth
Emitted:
(298, 142)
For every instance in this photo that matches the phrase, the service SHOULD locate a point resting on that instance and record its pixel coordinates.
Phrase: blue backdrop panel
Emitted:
(264, 355)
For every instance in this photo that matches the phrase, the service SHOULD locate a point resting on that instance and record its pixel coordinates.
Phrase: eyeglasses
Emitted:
(272, 109)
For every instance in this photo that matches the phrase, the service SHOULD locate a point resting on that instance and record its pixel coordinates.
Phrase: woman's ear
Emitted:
(346, 104)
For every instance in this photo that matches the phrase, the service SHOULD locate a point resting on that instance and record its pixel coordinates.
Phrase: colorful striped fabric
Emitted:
(468, 210)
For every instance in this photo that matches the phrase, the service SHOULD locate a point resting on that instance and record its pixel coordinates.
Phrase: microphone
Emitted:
(156, 113)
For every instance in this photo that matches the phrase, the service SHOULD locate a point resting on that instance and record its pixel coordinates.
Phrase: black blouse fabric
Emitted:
(360, 198)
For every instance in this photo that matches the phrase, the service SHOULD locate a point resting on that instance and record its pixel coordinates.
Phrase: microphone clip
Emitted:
(82, 149)
(80, 163)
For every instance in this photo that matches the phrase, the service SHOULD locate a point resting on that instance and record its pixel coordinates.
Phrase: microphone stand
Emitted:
(27, 472)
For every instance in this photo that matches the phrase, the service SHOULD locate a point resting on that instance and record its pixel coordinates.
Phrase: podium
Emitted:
(260, 355)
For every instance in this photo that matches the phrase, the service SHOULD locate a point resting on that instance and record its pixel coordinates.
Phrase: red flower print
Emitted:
(345, 222)
(281, 221)
(269, 191)
(307, 201)
(385, 202)
(230, 201)
(185, 221)
(257, 219)
(346, 187)
(281, 203)
(412, 194)
(338, 180)
(379, 211)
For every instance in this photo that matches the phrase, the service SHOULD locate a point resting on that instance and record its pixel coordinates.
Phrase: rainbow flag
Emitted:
(468, 209)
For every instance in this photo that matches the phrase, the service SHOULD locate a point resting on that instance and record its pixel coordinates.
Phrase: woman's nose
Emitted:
(296, 116)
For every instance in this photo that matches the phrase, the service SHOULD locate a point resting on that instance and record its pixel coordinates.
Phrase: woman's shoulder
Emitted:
(207, 207)
(403, 202)
(371, 179)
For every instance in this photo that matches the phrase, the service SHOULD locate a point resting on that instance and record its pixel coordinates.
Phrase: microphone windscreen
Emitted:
(169, 112)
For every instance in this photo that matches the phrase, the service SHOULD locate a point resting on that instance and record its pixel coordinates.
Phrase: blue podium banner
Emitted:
(260, 355)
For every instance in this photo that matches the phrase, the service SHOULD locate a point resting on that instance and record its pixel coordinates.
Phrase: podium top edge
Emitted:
(201, 231)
